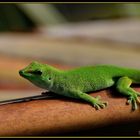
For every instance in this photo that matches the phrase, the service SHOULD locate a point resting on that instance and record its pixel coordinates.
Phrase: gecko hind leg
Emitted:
(123, 86)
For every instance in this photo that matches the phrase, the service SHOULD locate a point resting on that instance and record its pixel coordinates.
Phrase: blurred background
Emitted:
(65, 36)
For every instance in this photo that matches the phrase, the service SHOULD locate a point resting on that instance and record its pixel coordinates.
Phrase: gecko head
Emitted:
(38, 74)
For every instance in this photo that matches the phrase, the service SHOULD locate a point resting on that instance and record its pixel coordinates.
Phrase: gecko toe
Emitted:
(96, 107)
(138, 100)
(134, 105)
(102, 105)
(128, 102)
(133, 101)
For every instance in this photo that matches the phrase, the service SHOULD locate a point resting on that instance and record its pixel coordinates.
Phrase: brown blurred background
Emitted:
(65, 36)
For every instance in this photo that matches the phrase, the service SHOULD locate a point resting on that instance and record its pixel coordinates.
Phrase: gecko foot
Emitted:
(97, 103)
(133, 99)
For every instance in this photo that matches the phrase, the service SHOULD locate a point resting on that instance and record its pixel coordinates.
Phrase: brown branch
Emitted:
(62, 115)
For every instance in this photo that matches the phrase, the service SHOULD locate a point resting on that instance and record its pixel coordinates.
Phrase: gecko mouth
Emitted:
(35, 72)
(30, 72)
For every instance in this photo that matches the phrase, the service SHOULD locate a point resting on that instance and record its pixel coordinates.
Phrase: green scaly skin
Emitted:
(76, 83)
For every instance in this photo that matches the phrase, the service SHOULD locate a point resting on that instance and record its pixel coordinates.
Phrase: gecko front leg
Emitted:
(94, 101)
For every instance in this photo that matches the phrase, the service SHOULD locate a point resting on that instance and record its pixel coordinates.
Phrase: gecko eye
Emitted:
(49, 78)
(36, 72)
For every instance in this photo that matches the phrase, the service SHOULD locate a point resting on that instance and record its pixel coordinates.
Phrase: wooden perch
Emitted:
(58, 116)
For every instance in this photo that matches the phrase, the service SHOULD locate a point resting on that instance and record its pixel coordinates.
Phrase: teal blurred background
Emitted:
(66, 36)
(25, 17)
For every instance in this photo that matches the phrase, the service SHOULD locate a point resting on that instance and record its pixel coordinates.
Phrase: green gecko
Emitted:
(76, 83)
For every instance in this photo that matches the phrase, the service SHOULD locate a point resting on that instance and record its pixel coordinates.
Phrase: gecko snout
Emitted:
(21, 72)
